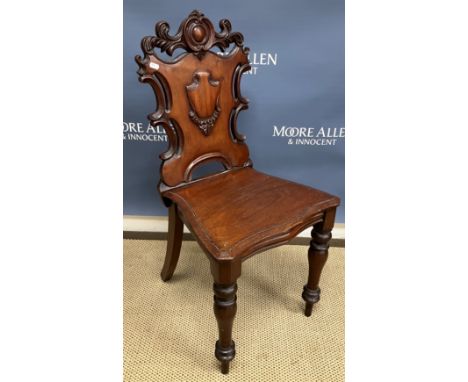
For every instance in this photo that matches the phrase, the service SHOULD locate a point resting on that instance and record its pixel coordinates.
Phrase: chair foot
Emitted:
(225, 355)
(310, 296)
(308, 309)
(225, 367)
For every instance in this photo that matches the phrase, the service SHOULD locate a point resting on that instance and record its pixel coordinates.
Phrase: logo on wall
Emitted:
(261, 59)
(258, 60)
(137, 131)
(309, 136)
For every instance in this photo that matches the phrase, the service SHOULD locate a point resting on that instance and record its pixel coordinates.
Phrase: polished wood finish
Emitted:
(174, 242)
(318, 254)
(238, 212)
(198, 96)
(187, 236)
(225, 308)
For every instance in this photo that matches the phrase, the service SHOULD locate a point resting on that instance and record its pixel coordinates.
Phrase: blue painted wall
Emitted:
(295, 121)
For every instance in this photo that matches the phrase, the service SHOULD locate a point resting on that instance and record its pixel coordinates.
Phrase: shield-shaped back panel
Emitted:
(198, 96)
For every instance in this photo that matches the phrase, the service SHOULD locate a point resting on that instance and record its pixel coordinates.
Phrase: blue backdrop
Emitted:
(295, 121)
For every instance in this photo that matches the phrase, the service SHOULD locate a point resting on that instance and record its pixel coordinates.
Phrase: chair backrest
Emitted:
(198, 96)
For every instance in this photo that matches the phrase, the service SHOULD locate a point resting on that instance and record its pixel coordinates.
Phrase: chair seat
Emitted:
(242, 212)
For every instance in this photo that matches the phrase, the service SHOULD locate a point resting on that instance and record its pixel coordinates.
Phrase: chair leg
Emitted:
(174, 242)
(318, 254)
(225, 308)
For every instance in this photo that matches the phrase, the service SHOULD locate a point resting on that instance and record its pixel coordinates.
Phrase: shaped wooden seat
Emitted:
(247, 211)
(238, 212)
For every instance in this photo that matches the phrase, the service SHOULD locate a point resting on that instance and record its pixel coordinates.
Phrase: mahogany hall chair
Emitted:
(238, 212)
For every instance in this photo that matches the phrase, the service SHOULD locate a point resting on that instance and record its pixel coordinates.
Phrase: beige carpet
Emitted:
(170, 329)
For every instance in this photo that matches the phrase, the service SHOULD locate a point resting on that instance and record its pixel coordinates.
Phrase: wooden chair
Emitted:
(238, 212)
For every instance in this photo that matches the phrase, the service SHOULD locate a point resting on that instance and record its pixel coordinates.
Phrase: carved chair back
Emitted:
(197, 95)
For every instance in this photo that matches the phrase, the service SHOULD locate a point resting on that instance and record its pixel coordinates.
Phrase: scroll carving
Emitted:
(196, 35)
(241, 102)
(159, 117)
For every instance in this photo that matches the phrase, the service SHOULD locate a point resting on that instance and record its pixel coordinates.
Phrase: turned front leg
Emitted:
(225, 308)
(318, 254)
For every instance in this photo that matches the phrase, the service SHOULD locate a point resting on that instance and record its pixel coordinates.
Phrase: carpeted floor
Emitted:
(170, 329)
